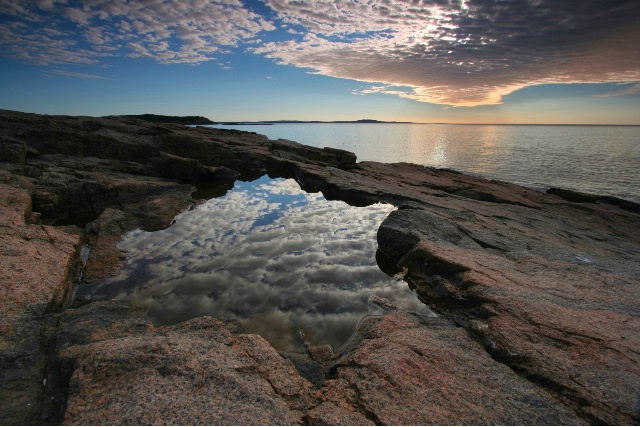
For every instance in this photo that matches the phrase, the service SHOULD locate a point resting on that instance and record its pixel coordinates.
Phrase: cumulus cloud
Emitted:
(267, 253)
(168, 31)
(458, 52)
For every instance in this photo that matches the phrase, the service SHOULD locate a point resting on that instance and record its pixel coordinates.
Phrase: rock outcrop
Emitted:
(37, 266)
(537, 294)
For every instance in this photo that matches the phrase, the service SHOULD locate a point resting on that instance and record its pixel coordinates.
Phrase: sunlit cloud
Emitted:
(447, 52)
(461, 53)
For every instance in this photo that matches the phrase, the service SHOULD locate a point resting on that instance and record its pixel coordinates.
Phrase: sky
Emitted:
(456, 61)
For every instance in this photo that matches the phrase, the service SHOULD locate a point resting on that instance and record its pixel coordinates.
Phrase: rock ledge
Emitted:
(537, 294)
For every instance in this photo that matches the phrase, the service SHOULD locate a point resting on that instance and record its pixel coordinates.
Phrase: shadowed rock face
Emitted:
(37, 265)
(537, 293)
(407, 370)
(559, 312)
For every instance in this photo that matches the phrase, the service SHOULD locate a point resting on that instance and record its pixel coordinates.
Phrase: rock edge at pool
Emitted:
(538, 293)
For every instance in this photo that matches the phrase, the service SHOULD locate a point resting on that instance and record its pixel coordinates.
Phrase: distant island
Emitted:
(274, 122)
(200, 120)
(182, 120)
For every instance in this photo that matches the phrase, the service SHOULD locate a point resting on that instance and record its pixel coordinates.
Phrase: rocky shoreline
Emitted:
(538, 295)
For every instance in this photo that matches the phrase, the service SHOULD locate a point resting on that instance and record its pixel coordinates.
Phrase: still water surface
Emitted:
(276, 258)
(602, 160)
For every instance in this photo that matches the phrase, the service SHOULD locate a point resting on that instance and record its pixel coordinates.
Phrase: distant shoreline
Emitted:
(200, 121)
(275, 122)
(303, 122)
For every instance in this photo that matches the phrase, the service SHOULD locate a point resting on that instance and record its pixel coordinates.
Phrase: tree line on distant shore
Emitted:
(183, 120)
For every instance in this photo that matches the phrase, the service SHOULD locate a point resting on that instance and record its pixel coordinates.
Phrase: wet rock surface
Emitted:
(537, 293)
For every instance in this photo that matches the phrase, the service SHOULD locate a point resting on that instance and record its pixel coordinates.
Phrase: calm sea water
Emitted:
(602, 160)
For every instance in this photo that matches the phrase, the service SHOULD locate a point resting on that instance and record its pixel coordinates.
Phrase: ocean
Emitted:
(602, 160)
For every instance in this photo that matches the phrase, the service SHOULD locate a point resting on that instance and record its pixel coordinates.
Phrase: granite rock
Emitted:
(408, 370)
(37, 266)
(537, 294)
(550, 292)
(122, 370)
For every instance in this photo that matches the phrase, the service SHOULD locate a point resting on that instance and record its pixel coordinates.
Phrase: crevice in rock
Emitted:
(371, 416)
(518, 364)
(470, 314)
(57, 373)
(486, 245)
(562, 393)
(56, 383)
(307, 368)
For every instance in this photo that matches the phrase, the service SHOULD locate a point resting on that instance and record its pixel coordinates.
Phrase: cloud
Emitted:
(461, 53)
(630, 90)
(449, 52)
(311, 267)
(170, 31)
(59, 73)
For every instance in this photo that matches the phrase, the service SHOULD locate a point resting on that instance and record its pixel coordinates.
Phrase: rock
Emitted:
(118, 367)
(551, 289)
(379, 305)
(407, 370)
(537, 294)
(580, 197)
(37, 266)
(152, 213)
(330, 414)
(321, 353)
(293, 151)
(197, 372)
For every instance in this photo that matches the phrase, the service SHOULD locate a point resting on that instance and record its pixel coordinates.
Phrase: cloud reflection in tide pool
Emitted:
(268, 254)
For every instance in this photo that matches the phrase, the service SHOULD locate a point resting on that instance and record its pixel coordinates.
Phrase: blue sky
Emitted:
(469, 61)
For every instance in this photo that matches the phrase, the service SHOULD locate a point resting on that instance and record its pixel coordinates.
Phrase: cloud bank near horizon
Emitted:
(462, 53)
(450, 52)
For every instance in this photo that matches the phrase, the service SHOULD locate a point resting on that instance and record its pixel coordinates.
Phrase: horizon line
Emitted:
(358, 121)
(371, 122)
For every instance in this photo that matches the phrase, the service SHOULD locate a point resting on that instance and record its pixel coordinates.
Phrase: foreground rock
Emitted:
(549, 286)
(198, 372)
(537, 293)
(236, 379)
(37, 265)
(405, 370)
(560, 312)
